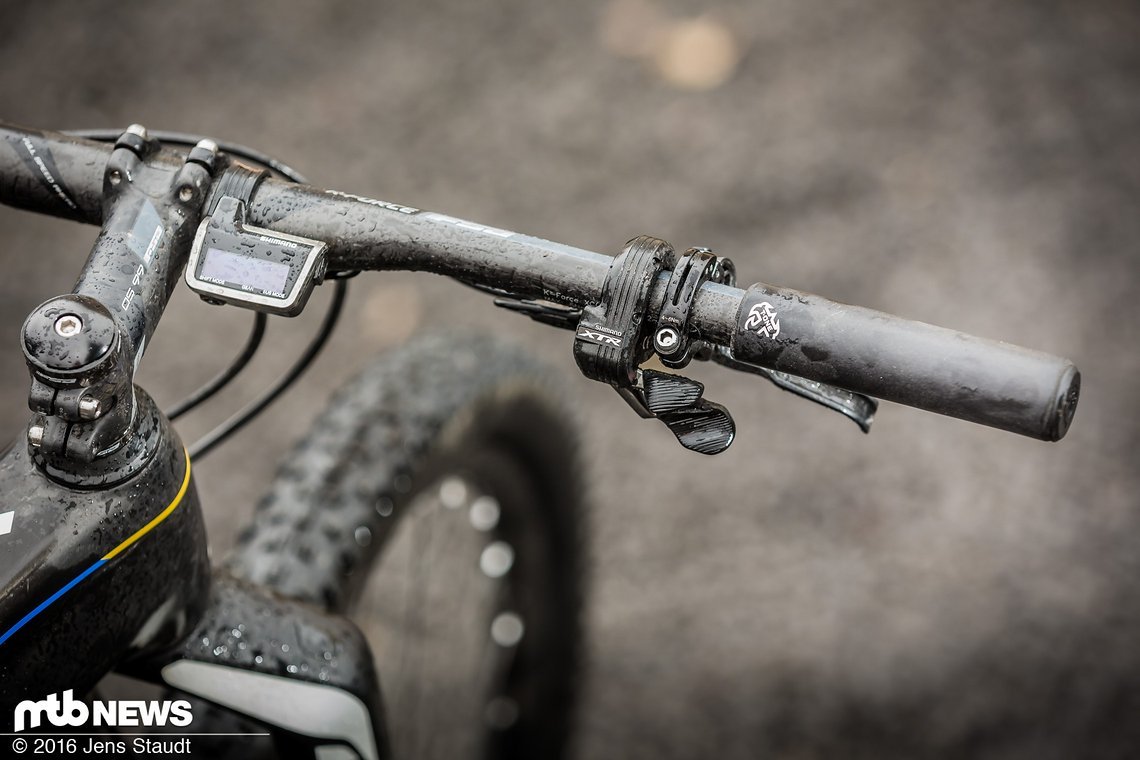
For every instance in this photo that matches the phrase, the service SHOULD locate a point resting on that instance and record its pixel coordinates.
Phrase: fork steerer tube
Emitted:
(939, 370)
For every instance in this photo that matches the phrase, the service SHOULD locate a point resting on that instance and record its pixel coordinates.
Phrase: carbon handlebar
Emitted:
(861, 350)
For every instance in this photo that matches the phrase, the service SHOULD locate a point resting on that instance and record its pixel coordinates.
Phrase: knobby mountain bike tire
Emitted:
(464, 441)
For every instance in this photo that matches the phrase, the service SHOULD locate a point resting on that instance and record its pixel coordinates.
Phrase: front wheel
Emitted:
(438, 501)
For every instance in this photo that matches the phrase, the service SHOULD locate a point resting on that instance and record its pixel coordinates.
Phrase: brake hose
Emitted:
(255, 407)
(223, 378)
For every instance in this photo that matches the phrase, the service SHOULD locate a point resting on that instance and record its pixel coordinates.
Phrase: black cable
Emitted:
(237, 421)
(183, 138)
(229, 373)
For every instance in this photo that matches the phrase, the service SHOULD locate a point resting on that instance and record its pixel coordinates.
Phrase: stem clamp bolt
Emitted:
(665, 340)
(89, 408)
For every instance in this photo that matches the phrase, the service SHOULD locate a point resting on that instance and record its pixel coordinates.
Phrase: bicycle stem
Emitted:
(82, 349)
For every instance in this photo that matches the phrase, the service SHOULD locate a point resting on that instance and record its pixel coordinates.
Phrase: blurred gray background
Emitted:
(932, 589)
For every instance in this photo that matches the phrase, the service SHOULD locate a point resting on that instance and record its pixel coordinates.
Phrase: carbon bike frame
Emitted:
(108, 570)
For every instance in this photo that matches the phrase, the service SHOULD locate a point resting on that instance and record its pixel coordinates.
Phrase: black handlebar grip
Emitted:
(913, 363)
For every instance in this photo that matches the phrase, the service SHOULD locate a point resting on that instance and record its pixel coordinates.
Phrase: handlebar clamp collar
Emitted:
(611, 339)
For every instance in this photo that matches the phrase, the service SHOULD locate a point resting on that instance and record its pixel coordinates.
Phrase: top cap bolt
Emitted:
(68, 325)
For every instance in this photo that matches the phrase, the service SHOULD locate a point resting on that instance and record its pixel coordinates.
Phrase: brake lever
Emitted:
(548, 314)
(613, 338)
(858, 408)
(610, 344)
(563, 317)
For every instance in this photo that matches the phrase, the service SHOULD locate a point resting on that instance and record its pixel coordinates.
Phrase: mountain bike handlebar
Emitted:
(785, 331)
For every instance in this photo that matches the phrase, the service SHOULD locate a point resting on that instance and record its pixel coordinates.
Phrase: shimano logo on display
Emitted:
(65, 710)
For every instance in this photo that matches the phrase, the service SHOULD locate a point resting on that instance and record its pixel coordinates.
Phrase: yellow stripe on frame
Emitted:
(157, 519)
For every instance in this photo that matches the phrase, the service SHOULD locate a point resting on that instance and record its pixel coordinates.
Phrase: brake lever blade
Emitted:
(548, 314)
(562, 317)
(858, 408)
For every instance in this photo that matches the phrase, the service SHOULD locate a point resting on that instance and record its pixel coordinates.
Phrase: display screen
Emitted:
(246, 272)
